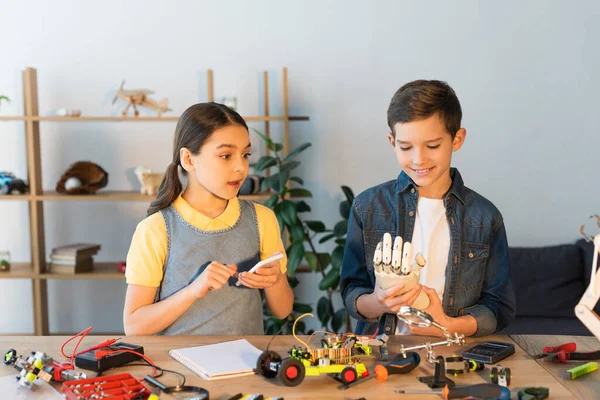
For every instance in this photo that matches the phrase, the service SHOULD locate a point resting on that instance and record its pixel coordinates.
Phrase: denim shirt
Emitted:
(478, 271)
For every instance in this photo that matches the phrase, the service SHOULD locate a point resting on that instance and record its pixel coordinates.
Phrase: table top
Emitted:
(584, 387)
(526, 372)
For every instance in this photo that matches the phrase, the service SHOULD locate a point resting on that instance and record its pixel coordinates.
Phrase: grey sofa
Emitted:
(549, 282)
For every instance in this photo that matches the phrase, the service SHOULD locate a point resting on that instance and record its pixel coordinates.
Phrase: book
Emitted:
(86, 265)
(219, 361)
(77, 248)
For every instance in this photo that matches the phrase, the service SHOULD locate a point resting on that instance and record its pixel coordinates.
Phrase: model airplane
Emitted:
(139, 97)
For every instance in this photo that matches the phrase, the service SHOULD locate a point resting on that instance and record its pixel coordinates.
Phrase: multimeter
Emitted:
(489, 352)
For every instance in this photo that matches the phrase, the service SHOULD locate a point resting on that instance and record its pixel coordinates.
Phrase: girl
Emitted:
(197, 242)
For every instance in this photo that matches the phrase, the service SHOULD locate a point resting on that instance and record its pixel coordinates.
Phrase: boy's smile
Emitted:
(424, 151)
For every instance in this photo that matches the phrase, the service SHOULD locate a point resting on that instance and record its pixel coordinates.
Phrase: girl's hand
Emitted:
(436, 311)
(264, 277)
(214, 276)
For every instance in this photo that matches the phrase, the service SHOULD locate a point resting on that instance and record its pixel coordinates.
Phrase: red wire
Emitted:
(100, 345)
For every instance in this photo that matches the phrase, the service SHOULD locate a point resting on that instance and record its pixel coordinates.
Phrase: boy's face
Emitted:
(424, 151)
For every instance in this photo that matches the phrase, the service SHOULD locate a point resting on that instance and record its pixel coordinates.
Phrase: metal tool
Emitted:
(486, 391)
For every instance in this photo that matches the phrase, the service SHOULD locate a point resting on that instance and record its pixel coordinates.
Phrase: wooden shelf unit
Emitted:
(36, 270)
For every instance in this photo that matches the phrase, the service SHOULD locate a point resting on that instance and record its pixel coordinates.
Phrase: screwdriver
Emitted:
(485, 391)
(398, 365)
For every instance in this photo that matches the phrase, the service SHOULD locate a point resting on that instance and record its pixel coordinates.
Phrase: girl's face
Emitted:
(221, 166)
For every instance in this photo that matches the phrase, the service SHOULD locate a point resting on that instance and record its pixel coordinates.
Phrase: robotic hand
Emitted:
(392, 266)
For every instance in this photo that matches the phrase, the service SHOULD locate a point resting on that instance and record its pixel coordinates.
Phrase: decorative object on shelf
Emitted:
(5, 98)
(9, 184)
(122, 266)
(73, 258)
(230, 102)
(4, 260)
(139, 97)
(91, 177)
(150, 180)
(65, 112)
(251, 185)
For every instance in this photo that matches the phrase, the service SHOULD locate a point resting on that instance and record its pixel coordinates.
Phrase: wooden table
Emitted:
(584, 387)
(526, 372)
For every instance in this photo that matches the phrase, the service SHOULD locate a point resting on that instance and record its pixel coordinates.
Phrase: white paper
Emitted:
(10, 389)
(221, 360)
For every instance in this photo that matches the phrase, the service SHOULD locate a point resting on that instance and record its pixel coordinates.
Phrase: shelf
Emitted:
(18, 271)
(15, 197)
(139, 119)
(102, 270)
(114, 195)
(102, 195)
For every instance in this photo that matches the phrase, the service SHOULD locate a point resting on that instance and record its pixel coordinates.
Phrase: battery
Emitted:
(95, 360)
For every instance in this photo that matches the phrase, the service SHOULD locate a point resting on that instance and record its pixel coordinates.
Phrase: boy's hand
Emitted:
(264, 277)
(212, 278)
(390, 300)
(436, 311)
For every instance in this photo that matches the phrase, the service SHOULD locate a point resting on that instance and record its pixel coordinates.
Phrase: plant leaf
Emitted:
(271, 201)
(289, 165)
(336, 257)
(338, 320)
(323, 310)
(297, 179)
(330, 280)
(326, 237)
(263, 137)
(340, 228)
(302, 308)
(297, 151)
(302, 206)
(316, 226)
(311, 258)
(293, 281)
(348, 193)
(345, 209)
(295, 254)
(341, 241)
(300, 192)
(265, 184)
(275, 146)
(297, 234)
(324, 259)
(279, 180)
(264, 162)
(288, 212)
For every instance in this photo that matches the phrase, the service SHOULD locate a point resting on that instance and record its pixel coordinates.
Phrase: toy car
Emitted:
(340, 362)
(10, 184)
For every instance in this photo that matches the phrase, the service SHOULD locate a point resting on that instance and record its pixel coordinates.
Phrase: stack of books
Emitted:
(73, 258)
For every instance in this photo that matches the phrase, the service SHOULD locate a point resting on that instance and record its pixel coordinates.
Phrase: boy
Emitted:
(460, 233)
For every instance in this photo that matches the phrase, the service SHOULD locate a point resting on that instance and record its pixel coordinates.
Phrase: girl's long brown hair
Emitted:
(195, 125)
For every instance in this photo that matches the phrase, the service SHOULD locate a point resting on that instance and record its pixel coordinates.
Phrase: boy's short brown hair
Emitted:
(421, 99)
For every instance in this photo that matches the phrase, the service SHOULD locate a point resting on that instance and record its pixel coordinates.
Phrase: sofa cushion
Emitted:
(548, 281)
(545, 326)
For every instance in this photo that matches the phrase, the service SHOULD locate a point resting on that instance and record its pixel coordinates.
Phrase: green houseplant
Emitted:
(303, 233)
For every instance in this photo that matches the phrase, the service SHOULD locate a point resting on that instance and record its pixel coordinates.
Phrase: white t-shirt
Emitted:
(432, 238)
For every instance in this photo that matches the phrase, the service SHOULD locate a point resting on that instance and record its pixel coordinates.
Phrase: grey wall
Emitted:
(525, 72)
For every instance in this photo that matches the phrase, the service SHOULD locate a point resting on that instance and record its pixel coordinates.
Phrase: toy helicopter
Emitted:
(139, 97)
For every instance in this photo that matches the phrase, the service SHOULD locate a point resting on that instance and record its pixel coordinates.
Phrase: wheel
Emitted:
(348, 375)
(508, 375)
(5, 189)
(494, 375)
(291, 372)
(10, 357)
(20, 186)
(263, 364)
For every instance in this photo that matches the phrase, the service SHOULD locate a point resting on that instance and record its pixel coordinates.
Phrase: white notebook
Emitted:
(221, 360)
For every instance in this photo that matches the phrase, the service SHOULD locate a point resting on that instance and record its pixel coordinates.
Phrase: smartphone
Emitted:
(262, 263)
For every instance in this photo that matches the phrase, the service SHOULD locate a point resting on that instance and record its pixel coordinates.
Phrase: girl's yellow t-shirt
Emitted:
(148, 250)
